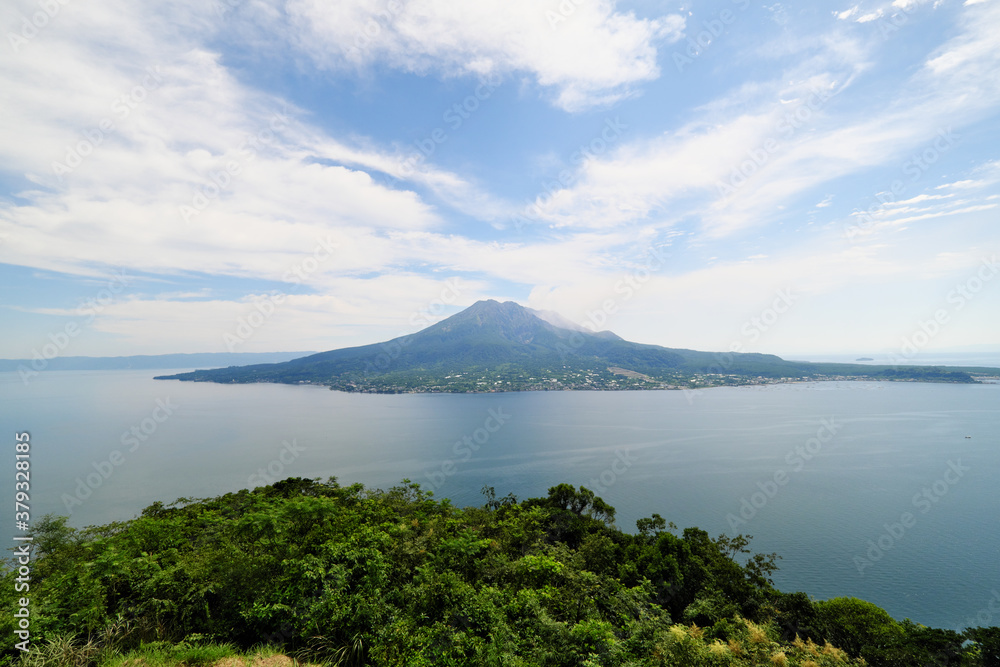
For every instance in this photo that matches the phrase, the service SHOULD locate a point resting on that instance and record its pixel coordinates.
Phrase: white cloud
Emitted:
(393, 249)
(940, 214)
(175, 166)
(588, 53)
(735, 141)
(916, 200)
(963, 184)
(971, 54)
(278, 192)
(720, 169)
(869, 17)
(847, 13)
(334, 310)
(673, 308)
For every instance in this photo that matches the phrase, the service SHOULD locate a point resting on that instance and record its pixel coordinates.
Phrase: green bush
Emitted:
(349, 575)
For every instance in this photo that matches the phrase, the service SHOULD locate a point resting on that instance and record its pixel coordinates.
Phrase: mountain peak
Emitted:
(493, 304)
(493, 310)
(508, 320)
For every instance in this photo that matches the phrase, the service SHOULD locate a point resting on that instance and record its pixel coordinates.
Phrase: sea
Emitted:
(886, 491)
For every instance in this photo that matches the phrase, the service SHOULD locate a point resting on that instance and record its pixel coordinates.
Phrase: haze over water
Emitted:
(692, 457)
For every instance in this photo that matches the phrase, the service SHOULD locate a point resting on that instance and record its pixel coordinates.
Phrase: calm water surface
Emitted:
(753, 460)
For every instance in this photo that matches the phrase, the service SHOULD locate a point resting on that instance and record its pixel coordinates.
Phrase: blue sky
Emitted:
(274, 175)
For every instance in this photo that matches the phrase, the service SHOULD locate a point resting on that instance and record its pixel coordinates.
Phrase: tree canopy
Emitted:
(350, 575)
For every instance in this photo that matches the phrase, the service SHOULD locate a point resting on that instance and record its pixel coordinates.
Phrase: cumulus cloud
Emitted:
(586, 53)
(138, 147)
(134, 142)
(764, 145)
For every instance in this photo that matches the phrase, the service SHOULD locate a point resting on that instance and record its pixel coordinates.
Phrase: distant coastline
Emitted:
(150, 361)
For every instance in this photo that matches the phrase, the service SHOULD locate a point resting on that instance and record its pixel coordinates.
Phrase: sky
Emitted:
(282, 175)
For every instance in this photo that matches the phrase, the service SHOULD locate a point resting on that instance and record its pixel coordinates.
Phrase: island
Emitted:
(492, 347)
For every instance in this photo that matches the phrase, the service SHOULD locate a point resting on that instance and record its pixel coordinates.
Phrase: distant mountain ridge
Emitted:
(149, 361)
(493, 346)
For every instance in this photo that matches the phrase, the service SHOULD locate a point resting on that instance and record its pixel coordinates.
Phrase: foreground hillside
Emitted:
(348, 575)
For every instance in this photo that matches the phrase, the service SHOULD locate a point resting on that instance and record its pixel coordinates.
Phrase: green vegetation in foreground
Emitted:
(354, 576)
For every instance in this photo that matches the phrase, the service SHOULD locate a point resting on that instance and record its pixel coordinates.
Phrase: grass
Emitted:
(163, 654)
(66, 652)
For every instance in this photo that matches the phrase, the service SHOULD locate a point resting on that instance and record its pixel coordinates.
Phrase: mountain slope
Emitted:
(487, 334)
(492, 345)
